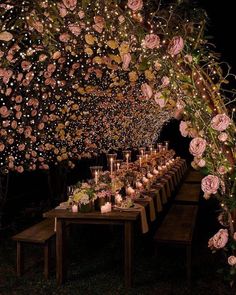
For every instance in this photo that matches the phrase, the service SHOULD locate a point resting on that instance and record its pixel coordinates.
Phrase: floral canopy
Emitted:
(80, 77)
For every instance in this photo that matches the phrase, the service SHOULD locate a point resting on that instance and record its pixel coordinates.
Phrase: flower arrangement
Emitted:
(83, 195)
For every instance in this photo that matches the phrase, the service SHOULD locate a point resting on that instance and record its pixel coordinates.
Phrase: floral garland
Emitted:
(78, 78)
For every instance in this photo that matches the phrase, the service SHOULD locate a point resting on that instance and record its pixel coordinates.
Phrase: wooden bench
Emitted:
(189, 192)
(40, 233)
(177, 229)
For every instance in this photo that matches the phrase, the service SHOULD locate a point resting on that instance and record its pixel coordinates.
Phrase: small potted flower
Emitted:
(83, 196)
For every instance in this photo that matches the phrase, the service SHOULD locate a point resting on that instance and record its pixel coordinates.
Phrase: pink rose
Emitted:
(222, 170)
(65, 37)
(75, 29)
(26, 65)
(121, 19)
(223, 136)
(200, 162)
(188, 58)
(56, 55)
(160, 101)
(219, 240)
(220, 122)
(178, 113)
(19, 77)
(62, 9)
(146, 90)
(126, 58)
(42, 57)
(99, 23)
(5, 36)
(70, 4)
(197, 146)
(210, 185)
(176, 45)
(2, 147)
(21, 147)
(183, 128)
(51, 68)
(4, 112)
(232, 260)
(135, 5)
(151, 41)
(165, 81)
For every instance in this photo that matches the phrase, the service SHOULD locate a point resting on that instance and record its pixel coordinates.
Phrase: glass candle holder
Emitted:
(118, 164)
(127, 157)
(142, 151)
(111, 158)
(96, 171)
(166, 144)
(140, 159)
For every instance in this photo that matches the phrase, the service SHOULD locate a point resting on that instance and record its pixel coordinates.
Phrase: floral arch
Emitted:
(79, 77)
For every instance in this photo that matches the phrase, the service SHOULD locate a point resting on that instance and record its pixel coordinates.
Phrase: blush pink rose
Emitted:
(146, 90)
(65, 37)
(21, 147)
(75, 29)
(197, 146)
(2, 147)
(99, 23)
(210, 184)
(176, 45)
(70, 4)
(183, 128)
(220, 122)
(232, 260)
(81, 14)
(26, 65)
(223, 136)
(19, 77)
(4, 112)
(151, 41)
(222, 170)
(38, 26)
(135, 5)
(51, 68)
(121, 19)
(219, 240)
(165, 81)
(42, 57)
(126, 58)
(160, 101)
(62, 9)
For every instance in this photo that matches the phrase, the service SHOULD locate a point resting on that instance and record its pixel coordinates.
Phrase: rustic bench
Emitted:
(189, 192)
(40, 233)
(177, 229)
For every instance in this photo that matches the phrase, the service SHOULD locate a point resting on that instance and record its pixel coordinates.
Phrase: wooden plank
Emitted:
(38, 233)
(95, 215)
(178, 225)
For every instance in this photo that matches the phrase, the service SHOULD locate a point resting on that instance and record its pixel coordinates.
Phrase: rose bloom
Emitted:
(38, 26)
(222, 170)
(42, 57)
(183, 128)
(26, 65)
(219, 240)
(70, 4)
(135, 5)
(121, 19)
(126, 58)
(146, 90)
(200, 162)
(232, 260)
(151, 41)
(99, 23)
(21, 147)
(65, 37)
(176, 45)
(2, 147)
(220, 122)
(188, 58)
(165, 81)
(223, 136)
(19, 77)
(4, 112)
(51, 68)
(81, 14)
(75, 29)
(160, 101)
(210, 184)
(62, 9)
(197, 146)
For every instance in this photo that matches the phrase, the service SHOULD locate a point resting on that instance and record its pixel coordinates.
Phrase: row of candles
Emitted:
(114, 164)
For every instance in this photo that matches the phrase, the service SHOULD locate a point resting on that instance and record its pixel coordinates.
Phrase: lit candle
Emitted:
(74, 208)
(146, 157)
(111, 164)
(118, 166)
(140, 161)
(96, 177)
(106, 208)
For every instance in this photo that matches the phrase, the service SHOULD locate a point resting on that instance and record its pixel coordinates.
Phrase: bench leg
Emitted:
(19, 259)
(189, 258)
(46, 260)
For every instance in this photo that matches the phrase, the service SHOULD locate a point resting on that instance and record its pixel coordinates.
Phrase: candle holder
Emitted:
(142, 151)
(111, 161)
(118, 164)
(166, 144)
(127, 157)
(96, 171)
(159, 147)
(151, 148)
(140, 159)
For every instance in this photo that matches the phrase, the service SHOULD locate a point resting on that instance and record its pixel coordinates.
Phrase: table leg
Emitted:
(128, 241)
(61, 251)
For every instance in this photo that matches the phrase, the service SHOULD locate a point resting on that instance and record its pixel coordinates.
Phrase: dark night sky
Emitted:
(222, 25)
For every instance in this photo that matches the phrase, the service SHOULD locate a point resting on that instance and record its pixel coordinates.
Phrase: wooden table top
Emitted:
(94, 215)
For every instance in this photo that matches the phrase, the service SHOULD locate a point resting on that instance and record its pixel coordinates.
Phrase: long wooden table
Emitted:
(126, 219)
